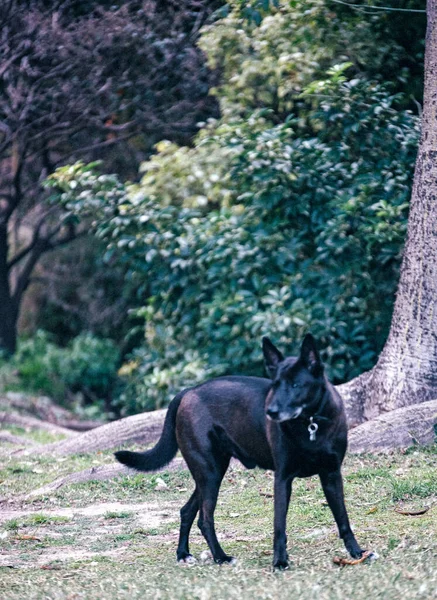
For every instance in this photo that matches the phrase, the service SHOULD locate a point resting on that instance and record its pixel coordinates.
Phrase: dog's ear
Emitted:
(272, 357)
(310, 356)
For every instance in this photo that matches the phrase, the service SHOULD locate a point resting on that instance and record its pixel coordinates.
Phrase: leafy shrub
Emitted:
(87, 365)
(309, 236)
(288, 214)
(35, 367)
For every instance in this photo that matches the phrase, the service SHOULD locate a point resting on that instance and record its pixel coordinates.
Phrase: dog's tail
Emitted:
(164, 451)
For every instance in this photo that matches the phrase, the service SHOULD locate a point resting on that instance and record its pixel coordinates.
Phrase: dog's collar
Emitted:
(312, 426)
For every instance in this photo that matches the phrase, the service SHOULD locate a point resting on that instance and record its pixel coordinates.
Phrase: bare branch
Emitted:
(35, 238)
(75, 83)
(40, 247)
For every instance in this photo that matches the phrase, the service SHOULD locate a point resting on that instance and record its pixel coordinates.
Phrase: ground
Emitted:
(117, 539)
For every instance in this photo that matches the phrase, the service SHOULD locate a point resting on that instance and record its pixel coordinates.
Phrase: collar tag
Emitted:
(312, 430)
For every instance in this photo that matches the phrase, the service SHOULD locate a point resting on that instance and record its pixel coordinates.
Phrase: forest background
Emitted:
(208, 174)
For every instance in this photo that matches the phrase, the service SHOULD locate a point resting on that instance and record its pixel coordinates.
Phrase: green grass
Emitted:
(38, 519)
(11, 525)
(117, 515)
(127, 550)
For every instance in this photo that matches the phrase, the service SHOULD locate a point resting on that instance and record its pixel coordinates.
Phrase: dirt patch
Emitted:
(48, 559)
(92, 531)
(150, 513)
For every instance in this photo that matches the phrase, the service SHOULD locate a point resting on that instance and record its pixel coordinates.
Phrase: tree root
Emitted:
(144, 428)
(353, 394)
(7, 418)
(44, 408)
(101, 473)
(10, 438)
(400, 428)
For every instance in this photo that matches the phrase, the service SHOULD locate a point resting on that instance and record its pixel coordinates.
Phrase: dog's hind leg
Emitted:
(209, 485)
(188, 514)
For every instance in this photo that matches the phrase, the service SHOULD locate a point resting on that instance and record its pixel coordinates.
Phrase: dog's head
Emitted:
(298, 382)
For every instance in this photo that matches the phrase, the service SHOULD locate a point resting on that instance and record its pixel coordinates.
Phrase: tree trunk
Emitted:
(8, 310)
(406, 372)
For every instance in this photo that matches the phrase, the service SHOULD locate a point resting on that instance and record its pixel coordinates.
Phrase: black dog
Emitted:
(295, 426)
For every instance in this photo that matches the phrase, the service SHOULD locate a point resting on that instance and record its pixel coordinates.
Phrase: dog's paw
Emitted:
(188, 560)
(226, 560)
(355, 551)
(281, 565)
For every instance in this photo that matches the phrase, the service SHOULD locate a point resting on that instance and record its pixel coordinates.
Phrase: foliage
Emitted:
(99, 80)
(307, 235)
(288, 214)
(88, 365)
(269, 51)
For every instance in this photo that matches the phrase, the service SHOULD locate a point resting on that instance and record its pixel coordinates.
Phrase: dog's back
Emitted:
(226, 416)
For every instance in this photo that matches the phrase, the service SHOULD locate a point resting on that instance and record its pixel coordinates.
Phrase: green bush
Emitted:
(308, 236)
(88, 365)
(286, 215)
(33, 368)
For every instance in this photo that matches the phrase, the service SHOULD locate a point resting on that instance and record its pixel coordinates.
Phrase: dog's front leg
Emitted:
(281, 502)
(332, 483)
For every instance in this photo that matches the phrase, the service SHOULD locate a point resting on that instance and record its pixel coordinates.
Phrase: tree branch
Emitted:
(40, 247)
(25, 251)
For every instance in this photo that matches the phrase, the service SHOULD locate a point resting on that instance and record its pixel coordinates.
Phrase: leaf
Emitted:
(372, 510)
(342, 562)
(413, 513)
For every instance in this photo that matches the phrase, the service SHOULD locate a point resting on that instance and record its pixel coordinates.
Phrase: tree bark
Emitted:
(406, 372)
(400, 428)
(8, 310)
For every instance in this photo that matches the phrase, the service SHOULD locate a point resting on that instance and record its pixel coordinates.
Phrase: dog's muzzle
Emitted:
(280, 415)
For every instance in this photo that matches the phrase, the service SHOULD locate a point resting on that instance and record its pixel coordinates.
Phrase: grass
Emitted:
(119, 537)
(40, 436)
(117, 515)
